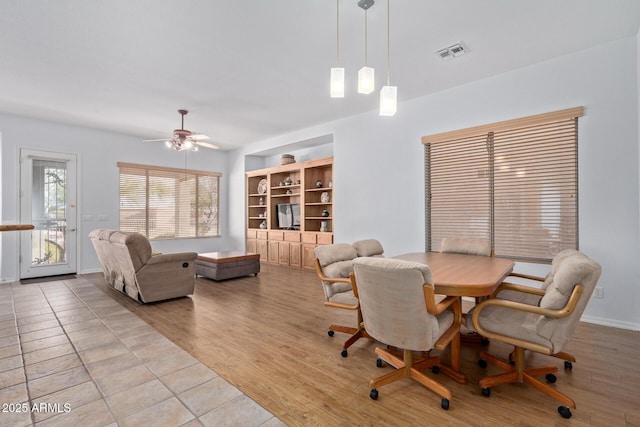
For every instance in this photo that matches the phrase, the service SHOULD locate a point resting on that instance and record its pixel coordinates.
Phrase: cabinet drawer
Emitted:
(292, 236)
(252, 234)
(261, 235)
(309, 238)
(276, 235)
(325, 238)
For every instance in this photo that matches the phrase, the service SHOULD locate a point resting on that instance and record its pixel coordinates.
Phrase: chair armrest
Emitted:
(329, 279)
(527, 276)
(180, 256)
(506, 286)
(512, 305)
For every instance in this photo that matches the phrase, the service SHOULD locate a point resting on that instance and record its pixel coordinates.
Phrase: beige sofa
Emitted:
(129, 266)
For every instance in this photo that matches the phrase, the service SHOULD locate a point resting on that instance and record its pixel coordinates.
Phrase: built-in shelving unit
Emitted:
(306, 185)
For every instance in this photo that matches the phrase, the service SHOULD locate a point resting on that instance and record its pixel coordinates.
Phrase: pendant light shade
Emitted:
(388, 93)
(366, 75)
(337, 73)
(366, 80)
(337, 82)
(388, 100)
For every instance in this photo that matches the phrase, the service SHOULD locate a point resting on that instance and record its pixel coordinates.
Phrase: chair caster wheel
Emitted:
(482, 363)
(330, 332)
(486, 391)
(444, 404)
(436, 369)
(379, 362)
(564, 411)
(568, 365)
(550, 378)
(373, 394)
(344, 353)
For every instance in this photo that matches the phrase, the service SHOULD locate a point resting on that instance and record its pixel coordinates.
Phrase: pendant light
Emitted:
(337, 73)
(388, 93)
(366, 75)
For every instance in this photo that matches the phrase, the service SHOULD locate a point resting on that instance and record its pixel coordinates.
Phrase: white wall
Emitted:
(379, 165)
(98, 152)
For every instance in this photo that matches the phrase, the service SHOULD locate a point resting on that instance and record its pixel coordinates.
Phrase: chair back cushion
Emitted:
(466, 245)
(393, 304)
(368, 247)
(336, 261)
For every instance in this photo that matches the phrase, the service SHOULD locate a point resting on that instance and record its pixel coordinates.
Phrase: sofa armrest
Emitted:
(180, 256)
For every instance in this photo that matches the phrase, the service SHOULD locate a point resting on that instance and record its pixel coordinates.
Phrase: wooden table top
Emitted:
(463, 275)
(227, 256)
(12, 227)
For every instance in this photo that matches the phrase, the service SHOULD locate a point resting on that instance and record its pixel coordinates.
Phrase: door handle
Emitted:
(72, 229)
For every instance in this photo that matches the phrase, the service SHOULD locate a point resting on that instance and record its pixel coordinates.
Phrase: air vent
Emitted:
(453, 51)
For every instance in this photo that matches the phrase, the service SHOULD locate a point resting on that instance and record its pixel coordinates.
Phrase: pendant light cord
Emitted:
(388, 44)
(338, 33)
(366, 38)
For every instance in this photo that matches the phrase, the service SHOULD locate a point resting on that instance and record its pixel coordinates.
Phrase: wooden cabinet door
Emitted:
(274, 258)
(283, 253)
(263, 249)
(252, 246)
(308, 256)
(295, 255)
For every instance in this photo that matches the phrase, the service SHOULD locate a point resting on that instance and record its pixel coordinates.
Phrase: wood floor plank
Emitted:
(267, 335)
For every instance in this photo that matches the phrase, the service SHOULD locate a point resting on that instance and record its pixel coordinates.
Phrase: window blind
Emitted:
(512, 182)
(167, 203)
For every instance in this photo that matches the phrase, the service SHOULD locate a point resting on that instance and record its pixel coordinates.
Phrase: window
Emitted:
(167, 203)
(513, 182)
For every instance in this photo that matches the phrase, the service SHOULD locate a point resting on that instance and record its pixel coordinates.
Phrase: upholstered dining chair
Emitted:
(368, 247)
(399, 309)
(534, 298)
(545, 327)
(466, 246)
(333, 266)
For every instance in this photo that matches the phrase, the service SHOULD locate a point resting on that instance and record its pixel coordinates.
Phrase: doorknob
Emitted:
(72, 229)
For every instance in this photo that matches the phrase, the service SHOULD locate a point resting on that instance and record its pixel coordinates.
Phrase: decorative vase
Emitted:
(323, 226)
(263, 225)
(324, 197)
(325, 213)
(319, 183)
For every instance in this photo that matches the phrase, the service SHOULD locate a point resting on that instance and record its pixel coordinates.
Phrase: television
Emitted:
(288, 216)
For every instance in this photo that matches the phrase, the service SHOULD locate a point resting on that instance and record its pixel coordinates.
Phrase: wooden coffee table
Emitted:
(227, 264)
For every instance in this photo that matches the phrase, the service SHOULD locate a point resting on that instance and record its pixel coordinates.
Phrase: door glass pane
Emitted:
(48, 212)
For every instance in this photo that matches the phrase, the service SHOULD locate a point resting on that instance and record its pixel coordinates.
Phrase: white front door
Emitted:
(48, 201)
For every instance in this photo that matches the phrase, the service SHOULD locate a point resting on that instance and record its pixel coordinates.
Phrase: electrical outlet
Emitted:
(598, 292)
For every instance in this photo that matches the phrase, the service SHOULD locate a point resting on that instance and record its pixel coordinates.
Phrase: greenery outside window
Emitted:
(513, 182)
(168, 203)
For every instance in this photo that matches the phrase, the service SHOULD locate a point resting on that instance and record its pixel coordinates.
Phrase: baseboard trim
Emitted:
(611, 322)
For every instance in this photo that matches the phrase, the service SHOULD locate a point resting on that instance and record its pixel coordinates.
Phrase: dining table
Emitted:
(463, 275)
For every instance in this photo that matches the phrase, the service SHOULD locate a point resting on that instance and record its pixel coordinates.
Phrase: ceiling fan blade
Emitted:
(208, 145)
(198, 137)
(156, 140)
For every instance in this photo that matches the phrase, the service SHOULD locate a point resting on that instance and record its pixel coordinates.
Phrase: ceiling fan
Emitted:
(184, 139)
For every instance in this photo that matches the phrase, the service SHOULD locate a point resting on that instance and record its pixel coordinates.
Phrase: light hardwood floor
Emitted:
(267, 336)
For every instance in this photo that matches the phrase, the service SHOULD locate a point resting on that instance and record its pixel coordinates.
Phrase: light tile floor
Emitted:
(71, 356)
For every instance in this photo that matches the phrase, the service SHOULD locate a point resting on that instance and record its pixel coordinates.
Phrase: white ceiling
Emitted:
(251, 69)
